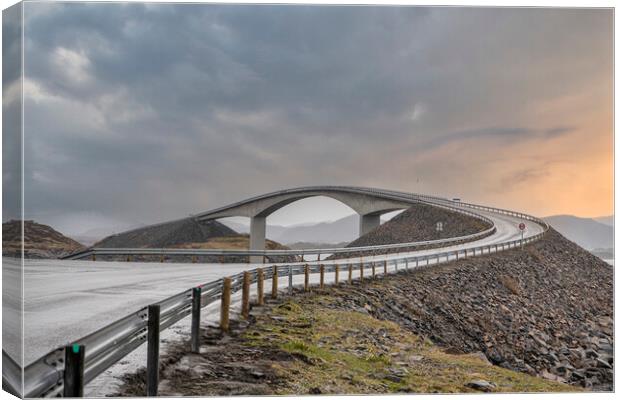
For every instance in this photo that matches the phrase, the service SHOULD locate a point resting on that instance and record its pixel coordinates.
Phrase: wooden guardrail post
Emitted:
(245, 296)
(128, 258)
(225, 305)
(152, 355)
(336, 273)
(385, 267)
(260, 286)
(274, 282)
(361, 272)
(193, 259)
(196, 304)
(350, 273)
(306, 278)
(374, 274)
(406, 264)
(74, 371)
(94, 257)
(290, 279)
(322, 273)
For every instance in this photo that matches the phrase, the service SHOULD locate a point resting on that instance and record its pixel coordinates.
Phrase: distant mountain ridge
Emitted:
(607, 220)
(586, 232)
(343, 230)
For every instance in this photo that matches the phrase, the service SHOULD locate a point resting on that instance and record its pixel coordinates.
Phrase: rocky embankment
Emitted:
(415, 224)
(40, 241)
(185, 234)
(546, 310)
(167, 234)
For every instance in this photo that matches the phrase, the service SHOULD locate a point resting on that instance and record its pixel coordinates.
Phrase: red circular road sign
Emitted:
(522, 226)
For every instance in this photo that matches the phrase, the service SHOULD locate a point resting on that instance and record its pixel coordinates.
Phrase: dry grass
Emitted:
(511, 284)
(535, 254)
(240, 242)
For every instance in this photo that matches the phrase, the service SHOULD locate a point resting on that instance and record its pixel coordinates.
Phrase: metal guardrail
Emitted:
(265, 254)
(108, 345)
(102, 251)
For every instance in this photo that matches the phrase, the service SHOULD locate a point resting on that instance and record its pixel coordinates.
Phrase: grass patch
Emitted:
(344, 352)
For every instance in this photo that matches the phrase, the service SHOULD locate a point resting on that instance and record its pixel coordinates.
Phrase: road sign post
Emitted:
(522, 229)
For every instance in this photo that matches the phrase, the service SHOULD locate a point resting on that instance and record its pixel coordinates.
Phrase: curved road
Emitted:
(65, 300)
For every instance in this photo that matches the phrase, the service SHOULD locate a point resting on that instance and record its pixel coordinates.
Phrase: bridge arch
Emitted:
(367, 205)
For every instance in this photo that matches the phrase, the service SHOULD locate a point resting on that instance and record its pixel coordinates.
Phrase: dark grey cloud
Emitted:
(11, 113)
(144, 112)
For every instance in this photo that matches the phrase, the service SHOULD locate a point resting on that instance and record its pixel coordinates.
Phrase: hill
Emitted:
(187, 234)
(586, 232)
(418, 223)
(168, 234)
(91, 236)
(40, 241)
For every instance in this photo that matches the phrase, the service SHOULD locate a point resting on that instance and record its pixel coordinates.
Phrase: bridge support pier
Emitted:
(258, 229)
(369, 222)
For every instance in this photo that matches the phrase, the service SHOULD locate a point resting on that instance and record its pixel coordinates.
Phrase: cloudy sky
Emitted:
(141, 113)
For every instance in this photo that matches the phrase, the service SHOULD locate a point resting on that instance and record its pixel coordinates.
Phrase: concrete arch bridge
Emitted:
(369, 204)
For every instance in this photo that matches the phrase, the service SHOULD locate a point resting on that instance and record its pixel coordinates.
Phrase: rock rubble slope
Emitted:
(168, 234)
(545, 310)
(415, 224)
